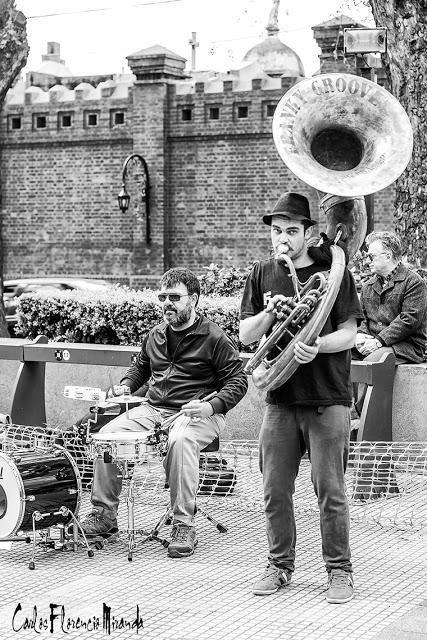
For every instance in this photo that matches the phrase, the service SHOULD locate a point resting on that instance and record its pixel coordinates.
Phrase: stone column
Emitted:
(156, 69)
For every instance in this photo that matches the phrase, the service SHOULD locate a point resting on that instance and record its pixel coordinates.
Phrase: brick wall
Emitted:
(219, 190)
(211, 179)
(60, 211)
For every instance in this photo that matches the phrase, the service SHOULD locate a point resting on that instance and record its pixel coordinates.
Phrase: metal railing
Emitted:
(28, 401)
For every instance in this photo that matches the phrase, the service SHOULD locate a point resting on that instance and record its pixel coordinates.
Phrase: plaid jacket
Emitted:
(396, 314)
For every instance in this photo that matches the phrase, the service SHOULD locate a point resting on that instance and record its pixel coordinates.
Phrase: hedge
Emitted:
(114, 316)
(124, 316)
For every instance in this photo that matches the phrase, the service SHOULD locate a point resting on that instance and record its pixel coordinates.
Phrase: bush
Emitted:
(360, 268)
(223, 281)
(116, 316)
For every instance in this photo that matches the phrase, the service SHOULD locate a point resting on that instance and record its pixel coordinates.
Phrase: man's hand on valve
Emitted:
(275, 304)
(197, 410)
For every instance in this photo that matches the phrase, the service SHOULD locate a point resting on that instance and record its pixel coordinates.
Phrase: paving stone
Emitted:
(208, 596)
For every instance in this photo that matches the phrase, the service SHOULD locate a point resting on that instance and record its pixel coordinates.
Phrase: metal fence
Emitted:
(386, 481)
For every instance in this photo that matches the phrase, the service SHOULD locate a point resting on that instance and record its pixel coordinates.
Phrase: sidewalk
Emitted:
(208, 596)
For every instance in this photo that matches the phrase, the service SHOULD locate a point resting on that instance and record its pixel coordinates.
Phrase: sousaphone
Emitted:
(347, 137)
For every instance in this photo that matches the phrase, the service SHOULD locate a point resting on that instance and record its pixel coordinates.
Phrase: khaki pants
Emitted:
(186, 438)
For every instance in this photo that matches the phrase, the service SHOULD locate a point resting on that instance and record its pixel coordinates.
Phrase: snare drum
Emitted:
(130, 446)
(37, 481)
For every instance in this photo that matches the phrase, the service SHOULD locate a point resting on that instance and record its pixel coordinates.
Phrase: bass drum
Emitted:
(40, 482)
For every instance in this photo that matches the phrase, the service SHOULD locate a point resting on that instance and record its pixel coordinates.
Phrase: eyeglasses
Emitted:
(372, 257)
(173, 297)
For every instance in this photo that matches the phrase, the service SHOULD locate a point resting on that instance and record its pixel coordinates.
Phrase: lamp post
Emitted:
(135, 167)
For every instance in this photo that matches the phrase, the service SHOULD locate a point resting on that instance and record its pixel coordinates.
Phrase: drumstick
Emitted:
(168, 421)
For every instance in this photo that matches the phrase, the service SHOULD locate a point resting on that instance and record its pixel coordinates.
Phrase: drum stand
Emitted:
(166, 518)
(63, 542)
(131, 532)
(47, 541)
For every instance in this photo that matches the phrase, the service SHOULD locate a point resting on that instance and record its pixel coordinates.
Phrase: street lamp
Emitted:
(135, 167)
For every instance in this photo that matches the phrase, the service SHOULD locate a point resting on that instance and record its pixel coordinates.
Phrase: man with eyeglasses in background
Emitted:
(394, 305)
(184, 359)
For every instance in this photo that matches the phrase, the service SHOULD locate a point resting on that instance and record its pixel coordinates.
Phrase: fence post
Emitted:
(28, 404)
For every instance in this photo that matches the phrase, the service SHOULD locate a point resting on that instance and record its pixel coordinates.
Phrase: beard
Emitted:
(177, 318)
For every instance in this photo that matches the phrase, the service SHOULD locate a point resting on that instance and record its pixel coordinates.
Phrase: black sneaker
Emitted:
(95, 525)
(271, 580)
(183, 541)
(340, 587)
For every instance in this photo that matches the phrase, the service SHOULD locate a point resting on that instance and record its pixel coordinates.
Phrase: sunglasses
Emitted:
(173, 297)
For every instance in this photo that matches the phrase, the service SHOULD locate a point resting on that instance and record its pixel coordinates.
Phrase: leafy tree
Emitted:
(406, 60)
(13, 56)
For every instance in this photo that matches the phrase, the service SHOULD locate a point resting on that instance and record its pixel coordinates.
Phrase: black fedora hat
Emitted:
(292, 205)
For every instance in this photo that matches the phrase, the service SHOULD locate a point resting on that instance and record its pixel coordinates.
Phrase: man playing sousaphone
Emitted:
(310, 411)
(183, 360)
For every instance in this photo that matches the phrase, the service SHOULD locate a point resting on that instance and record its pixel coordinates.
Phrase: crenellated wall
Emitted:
(207, 141)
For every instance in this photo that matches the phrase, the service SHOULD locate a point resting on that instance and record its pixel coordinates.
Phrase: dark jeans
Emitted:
(286, 434)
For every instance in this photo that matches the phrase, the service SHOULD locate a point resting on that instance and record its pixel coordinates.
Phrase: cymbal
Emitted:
(125, 399)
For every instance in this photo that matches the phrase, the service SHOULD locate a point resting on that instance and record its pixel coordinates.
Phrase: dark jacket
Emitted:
(396, 314)
(204, 361)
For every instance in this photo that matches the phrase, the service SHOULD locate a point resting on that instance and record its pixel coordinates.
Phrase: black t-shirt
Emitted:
(325, 380)
(174, 337)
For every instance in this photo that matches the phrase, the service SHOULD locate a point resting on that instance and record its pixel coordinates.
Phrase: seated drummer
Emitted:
(183, 359)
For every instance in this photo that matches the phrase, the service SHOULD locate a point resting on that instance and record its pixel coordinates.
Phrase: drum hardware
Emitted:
(167, 518)
(215, 477)
(91, 394)
(125, 449)
(103, 405)
(130, 532)
(159, 438)
(64, 542)
(125, 399)
(53, 475)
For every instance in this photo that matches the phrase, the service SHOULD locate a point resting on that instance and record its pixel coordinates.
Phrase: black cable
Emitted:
(70, 13)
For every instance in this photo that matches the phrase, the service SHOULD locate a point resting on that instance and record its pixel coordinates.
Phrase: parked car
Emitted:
(13, 289)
